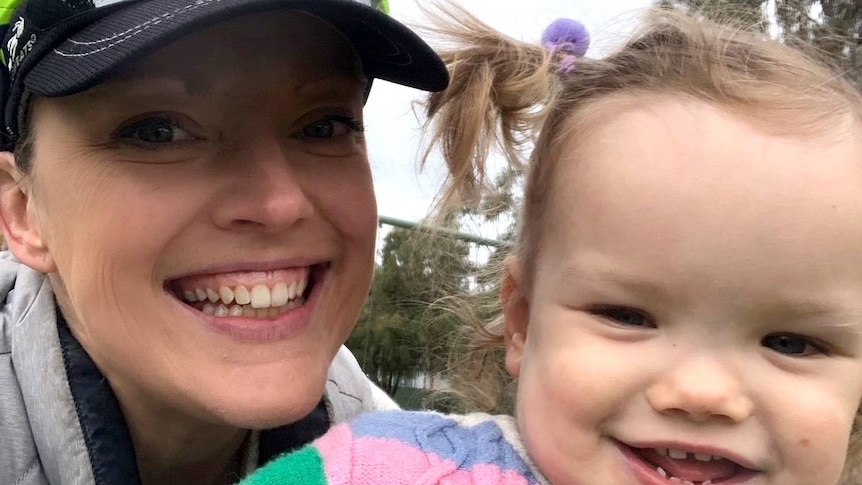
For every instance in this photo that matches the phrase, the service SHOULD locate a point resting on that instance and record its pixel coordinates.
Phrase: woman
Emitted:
(188, 200)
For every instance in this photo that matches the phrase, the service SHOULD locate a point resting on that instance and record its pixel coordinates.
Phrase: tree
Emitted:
(402, 332)
(833, 26)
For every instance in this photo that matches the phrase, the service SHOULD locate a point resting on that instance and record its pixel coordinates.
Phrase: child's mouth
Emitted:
(672, 466)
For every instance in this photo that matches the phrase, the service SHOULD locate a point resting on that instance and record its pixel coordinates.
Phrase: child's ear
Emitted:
(516, 314)
(19, 224)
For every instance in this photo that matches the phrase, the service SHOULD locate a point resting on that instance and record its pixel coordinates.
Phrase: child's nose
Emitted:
(701, 389)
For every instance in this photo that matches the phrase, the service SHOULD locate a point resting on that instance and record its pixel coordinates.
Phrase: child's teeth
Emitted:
(661, 472)
(677, 454)
(212, 296)
(201, 294)
(661, 451)
(235, 311)
(702, 457)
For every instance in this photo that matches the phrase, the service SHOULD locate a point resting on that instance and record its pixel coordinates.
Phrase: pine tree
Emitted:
(402, 332)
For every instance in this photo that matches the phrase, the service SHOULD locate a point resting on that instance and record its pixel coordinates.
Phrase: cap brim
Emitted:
(388, 49)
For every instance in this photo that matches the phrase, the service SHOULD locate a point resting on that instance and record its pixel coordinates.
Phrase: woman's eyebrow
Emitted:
(149, 87)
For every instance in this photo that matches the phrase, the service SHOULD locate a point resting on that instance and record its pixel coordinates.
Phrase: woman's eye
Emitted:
(331, 127)
(788, 344)
(153, 131)
(629, 317)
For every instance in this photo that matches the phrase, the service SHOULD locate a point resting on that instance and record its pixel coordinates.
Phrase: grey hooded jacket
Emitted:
(59, 421)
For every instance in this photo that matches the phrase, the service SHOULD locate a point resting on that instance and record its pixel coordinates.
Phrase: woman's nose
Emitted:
(701, 390)
(267, 190)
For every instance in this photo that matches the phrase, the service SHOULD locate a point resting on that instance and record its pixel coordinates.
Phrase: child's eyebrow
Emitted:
(624, 281)
(828, 315)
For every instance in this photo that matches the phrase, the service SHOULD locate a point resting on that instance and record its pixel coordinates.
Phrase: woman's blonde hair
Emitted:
(507, 94)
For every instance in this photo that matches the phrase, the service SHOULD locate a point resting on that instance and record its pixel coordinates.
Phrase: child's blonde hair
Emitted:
(507, 93)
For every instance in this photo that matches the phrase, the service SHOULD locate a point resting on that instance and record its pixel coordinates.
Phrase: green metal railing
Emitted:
(484, 241)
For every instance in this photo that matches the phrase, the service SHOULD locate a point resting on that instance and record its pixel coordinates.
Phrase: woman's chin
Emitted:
(252, 406)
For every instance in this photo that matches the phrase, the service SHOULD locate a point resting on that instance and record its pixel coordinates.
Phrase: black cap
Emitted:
(61, 47)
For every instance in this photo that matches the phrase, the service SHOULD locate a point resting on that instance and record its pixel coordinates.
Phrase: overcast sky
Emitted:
(393, 131)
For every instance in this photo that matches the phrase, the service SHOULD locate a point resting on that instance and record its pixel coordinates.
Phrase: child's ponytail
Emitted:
(495, 101)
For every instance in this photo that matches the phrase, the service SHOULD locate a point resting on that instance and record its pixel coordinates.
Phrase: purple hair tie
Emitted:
(567, 40)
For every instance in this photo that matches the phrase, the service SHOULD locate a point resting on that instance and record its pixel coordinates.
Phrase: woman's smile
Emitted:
(253, 305)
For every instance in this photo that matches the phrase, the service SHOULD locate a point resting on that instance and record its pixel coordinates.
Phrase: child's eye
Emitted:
(792, 345)
(152, 131)
(331, 127)
(629, 317)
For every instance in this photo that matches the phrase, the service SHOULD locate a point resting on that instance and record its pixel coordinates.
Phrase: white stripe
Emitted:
(105, 3)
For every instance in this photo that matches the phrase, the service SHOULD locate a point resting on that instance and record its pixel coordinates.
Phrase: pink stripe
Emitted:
(336, 449)
(485, 474)
(351, 460)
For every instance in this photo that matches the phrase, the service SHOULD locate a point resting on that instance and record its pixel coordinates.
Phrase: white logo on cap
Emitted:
(12, 45)
(14, 48)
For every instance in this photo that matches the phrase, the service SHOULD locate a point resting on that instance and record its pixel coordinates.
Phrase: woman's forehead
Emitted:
(292, 45)
(199, 67)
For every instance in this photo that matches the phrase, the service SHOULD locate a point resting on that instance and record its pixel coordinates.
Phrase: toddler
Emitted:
(683, 303)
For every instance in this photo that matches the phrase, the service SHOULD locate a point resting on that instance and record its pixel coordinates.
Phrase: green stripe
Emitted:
(303, 467)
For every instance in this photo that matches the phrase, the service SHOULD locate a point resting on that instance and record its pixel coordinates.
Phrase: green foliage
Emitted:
(402, 331)
(833, 26)
(382, 5)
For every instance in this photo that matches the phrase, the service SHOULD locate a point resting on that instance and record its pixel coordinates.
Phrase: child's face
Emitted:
(698, 288)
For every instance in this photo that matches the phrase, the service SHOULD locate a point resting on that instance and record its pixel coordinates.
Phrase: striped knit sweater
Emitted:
(408, 448)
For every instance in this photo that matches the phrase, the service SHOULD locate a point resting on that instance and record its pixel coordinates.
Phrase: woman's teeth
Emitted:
(249, 311)
(259, 301)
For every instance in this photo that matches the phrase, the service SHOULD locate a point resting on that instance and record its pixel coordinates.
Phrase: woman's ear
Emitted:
(19, 224)
(516, 314)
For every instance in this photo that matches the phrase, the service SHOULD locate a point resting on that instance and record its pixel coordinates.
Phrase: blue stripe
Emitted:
(444, 436)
